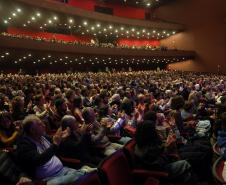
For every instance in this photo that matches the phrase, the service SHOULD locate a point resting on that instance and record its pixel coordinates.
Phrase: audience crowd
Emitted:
(91, 44)
(88, 116)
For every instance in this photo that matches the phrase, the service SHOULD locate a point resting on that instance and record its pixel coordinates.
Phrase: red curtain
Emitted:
(138, 42)
(46, 35)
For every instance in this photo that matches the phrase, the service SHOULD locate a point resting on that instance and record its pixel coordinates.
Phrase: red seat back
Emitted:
(116, 169)
(218, 167)
(216, 149)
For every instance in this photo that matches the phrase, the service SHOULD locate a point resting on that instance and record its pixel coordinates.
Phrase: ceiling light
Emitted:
(98, 25)
(9, 18)
(14, 14)
(5, 21)
(85, 23)
(55, 18)
(24, 25)
(92, 28)
(71, 21)
(33, 18)
(154, 31)
(122, 28)
(18, 10)
(174, 32)
(110, 27)
(148, 4)
(133, 29)
(7, 53)
(38, 14)
(50, 21)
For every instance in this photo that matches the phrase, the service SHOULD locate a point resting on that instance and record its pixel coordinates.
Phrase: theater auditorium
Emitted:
(112, 92)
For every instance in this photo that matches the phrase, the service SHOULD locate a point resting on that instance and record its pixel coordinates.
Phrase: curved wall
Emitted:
(206, 33)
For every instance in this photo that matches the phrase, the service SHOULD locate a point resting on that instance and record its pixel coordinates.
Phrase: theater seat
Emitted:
(130, 130)
(217, 170)
(89, 179)
(216, 149)
(115, 170)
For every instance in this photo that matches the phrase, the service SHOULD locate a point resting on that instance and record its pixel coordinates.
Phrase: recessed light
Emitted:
(18, 10)
(71, 21)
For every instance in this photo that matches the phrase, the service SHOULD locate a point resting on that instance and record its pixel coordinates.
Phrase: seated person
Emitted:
(9, 132)
(76, 145)
(61, 110)
(113, 126)
(98, 133)
(149, 154)
(221, 139)
(37, 155)
(10, 173)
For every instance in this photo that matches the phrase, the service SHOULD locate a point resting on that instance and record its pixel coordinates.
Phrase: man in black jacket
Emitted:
(10, 173)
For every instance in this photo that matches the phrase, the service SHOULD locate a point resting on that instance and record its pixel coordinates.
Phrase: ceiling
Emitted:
(17, 14)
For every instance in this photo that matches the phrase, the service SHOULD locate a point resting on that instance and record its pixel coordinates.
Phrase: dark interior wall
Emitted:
(205, 33)
(118, 10)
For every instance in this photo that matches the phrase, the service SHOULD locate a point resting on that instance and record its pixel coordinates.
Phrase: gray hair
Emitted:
(67, 121)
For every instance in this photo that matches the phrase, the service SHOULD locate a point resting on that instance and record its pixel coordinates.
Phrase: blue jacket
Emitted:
(221, 141)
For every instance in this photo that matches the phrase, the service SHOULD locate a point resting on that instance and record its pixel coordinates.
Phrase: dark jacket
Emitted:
(150, 157)
(29, 157)
(10, 173)
(76, 146)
